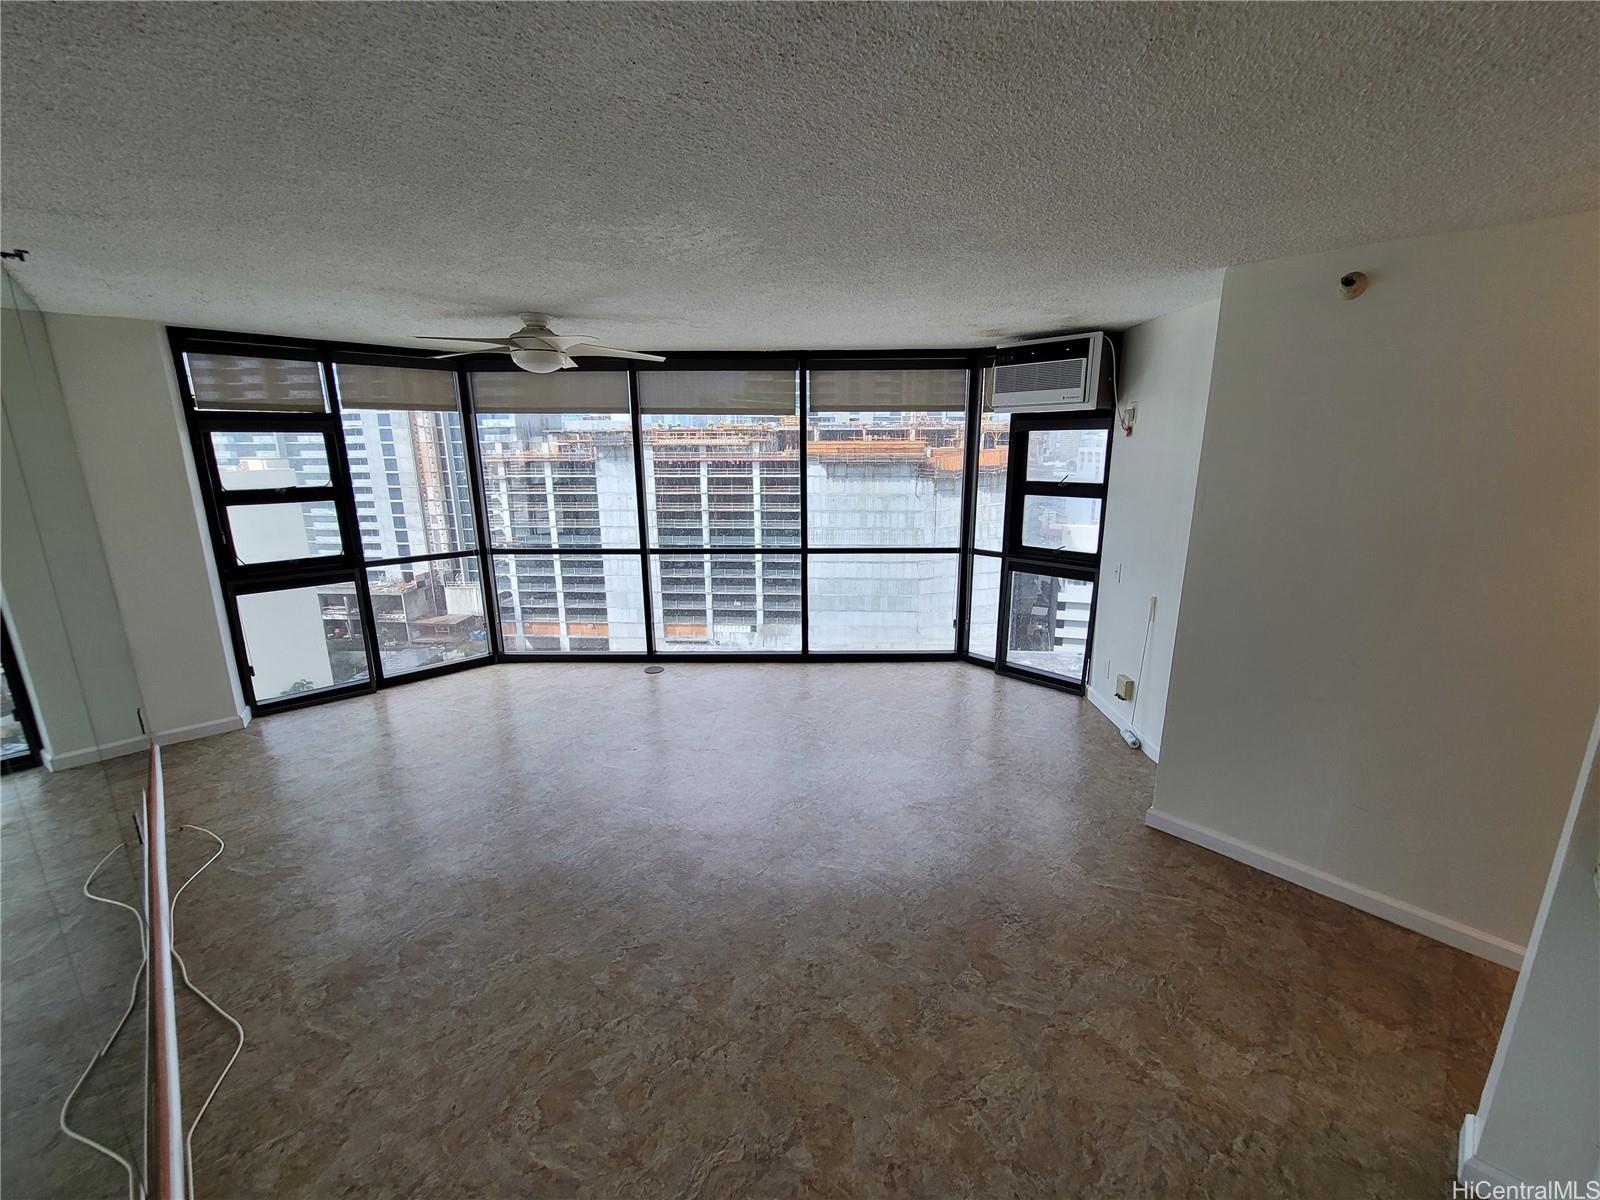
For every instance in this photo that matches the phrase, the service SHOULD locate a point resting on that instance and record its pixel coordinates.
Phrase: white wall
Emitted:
(59, 597)
(1539, 1119)
(1166, 374)
(117, 378)
(1389, 640)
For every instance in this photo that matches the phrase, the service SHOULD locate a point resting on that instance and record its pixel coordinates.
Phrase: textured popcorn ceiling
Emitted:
(758, 175)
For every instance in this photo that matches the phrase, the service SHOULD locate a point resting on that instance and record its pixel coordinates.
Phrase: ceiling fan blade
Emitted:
(565, 344)
(608, 352)
(486, 341)
(468, 353)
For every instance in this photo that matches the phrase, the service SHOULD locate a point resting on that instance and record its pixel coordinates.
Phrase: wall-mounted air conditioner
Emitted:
(1064, 374)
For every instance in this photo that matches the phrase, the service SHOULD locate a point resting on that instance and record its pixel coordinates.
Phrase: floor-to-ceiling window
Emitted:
(340, 499)
(560, 502)
(721, 463)
(1054, 504)
(19, 735)
(404, 440)
(885, 471)
(990, 465)
(386, 515)
(265, 437)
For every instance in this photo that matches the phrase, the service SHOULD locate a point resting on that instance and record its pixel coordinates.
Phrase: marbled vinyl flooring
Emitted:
(765, 930)
(67, 970)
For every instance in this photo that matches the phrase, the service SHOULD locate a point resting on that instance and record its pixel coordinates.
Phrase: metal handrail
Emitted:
(164, 1127)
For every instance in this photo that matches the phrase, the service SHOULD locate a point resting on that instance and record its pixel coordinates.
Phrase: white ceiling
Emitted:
(758, 175)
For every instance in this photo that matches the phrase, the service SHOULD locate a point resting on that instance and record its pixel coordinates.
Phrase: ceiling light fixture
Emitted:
(537, 348)
(541, 362)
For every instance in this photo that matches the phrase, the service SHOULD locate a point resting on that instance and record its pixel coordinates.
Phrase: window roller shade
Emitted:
(395, 387)
(718, 393)
(888, 390)
(560, 392)
(233, 383)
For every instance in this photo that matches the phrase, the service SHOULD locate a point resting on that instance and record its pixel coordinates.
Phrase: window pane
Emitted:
(559, 479)
(574, 602)
(228, 383)
(14, 741)
(252, 461)
(726, 601)
(883, 601)
(427, 613)
(984, 606)
(719, 394)
(1067, 455)
(408, 470)
(560, 392)
(878, 478)
(1061, 523)
(722, 480)
(264, 533)
(894, 389)
(994, 454)
(385, 389)
(302, 639)
(1049, 626)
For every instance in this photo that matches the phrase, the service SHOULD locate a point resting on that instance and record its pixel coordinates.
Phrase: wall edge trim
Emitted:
(189, 733)
(1472, 1169)
(1408, 916)
(65, 760)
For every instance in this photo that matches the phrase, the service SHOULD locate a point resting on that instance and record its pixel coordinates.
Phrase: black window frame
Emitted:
(350, 566)
(1017, 556)
(21, 708)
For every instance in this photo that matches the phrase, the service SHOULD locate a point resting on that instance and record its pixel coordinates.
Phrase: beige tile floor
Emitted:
(769, 931)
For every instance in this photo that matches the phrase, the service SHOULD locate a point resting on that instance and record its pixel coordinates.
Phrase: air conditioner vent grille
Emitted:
(1064, 374)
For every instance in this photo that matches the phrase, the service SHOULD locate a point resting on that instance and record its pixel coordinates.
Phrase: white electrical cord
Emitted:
(1123, 419)
(183, 971)
(135, 1185)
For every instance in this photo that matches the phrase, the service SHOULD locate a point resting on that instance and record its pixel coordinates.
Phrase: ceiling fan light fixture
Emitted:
(541, 362)
(535, 347)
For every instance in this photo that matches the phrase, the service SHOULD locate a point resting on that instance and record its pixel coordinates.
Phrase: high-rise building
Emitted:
(722, 506)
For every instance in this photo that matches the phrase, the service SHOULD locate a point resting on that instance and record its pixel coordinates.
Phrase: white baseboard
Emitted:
(1472, 1169)
(1408, 916)
(65, 760)
(188, 733)
(1108, 705)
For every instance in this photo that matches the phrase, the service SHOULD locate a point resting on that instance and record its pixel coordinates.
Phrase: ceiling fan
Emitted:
(535, 348)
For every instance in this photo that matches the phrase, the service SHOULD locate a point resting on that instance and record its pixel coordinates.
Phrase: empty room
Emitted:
(763, 600)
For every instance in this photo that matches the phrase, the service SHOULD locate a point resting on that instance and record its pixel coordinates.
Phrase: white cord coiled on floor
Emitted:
(135, 1185)
(183, 972)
